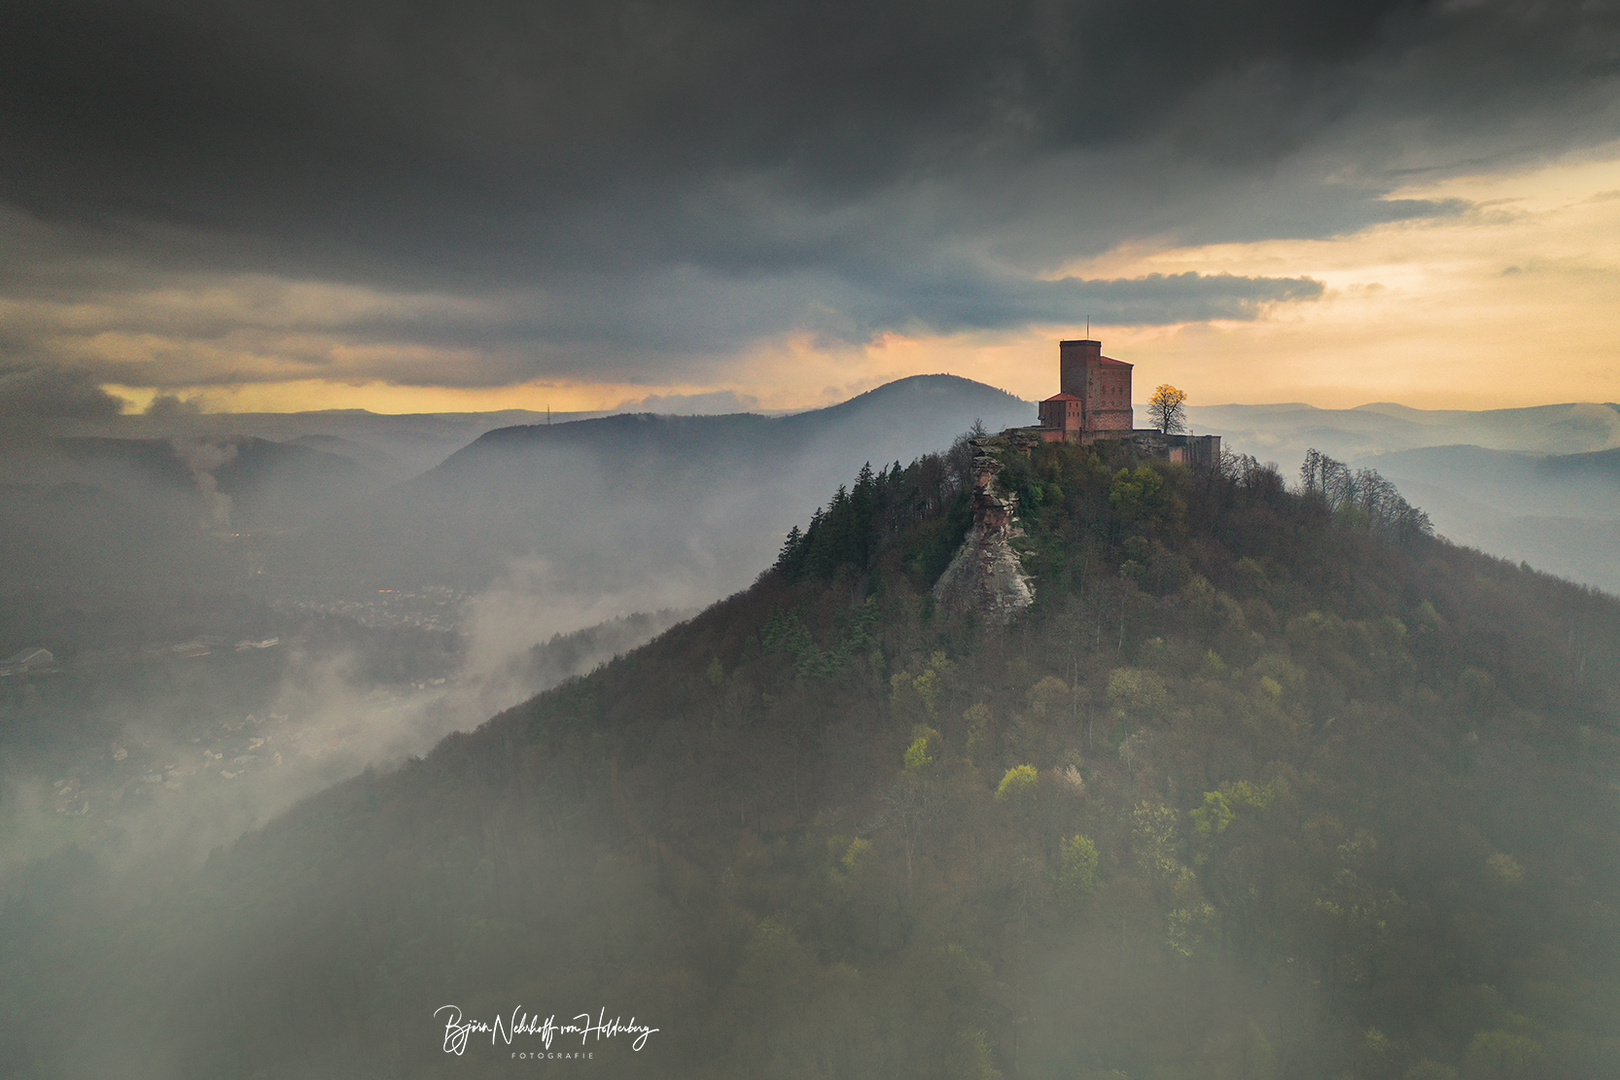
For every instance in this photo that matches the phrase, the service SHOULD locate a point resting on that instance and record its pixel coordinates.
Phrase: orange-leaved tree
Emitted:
(1167, 407)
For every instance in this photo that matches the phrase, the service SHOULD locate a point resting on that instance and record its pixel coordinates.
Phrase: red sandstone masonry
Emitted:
(1094, 400)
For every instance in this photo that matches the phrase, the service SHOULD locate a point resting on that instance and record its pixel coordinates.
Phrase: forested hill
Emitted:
(1256, 789)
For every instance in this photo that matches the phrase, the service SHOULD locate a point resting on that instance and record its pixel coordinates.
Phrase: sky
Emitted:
(424, 206)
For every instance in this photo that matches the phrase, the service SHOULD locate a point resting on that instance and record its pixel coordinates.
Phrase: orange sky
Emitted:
(1511, 304)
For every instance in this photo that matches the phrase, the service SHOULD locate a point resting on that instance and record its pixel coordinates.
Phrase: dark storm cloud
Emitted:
(45, 392)
(627, 186)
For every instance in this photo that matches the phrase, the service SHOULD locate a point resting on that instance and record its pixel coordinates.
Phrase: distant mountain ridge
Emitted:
(1286, 430)
(267, 482)
(1558, 512)
(456, 498)
(702, 502)
(1536, 484)
(702, 497)
(901, 404)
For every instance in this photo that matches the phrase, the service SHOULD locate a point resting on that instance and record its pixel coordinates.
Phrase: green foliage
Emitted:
(846, 867)
(1049, 698)
(923, 753)
(1190, 927)
(1220, 808)
(915, 695)
(1504, 870)
(574, 705)
(1502, 1055)
(976, 722)
(1212, 818)
(775, 961)
(850, 531)
(1137, 694)
(1137, 495)
(786, 631)
(1153, 837)
(973, 1059)
(927, 688)
(1018, 786)
(1076, 872)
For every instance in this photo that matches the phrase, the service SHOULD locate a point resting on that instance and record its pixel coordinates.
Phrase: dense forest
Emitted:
(1268, 783)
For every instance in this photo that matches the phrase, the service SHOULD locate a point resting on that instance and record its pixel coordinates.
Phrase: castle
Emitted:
(1094, 402)
(1093, 399)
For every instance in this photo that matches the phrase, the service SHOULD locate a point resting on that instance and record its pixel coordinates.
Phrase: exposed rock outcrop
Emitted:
(986, 576)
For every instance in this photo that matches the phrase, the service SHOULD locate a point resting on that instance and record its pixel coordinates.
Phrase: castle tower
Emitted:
(1093, 399)
(1074, 357)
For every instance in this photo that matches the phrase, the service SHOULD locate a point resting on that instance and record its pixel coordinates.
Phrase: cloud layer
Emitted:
(637, 191)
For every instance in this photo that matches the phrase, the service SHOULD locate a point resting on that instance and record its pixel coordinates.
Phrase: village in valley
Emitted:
(238, 704)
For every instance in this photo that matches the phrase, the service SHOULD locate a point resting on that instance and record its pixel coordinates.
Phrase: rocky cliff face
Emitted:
(986, 576)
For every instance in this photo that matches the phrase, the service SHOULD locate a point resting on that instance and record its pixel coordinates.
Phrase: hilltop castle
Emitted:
(1094, 402)
(1093, 399)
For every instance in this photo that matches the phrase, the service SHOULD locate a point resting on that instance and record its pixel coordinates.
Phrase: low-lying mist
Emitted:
(170, 772)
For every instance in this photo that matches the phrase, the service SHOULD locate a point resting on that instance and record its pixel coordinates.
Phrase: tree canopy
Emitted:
(1167, 407)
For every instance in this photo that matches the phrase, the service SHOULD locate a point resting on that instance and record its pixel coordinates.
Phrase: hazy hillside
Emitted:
(1559, 485)
(71, 534)
(650, 510)
(1559, 513)
(105, 512)
(693, 504)
(264, 484)
(1249, 792)
(526, 505)
(1282, 433)
(378, 461)
(1600, 466)
(1541, 485)
(410, 443)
